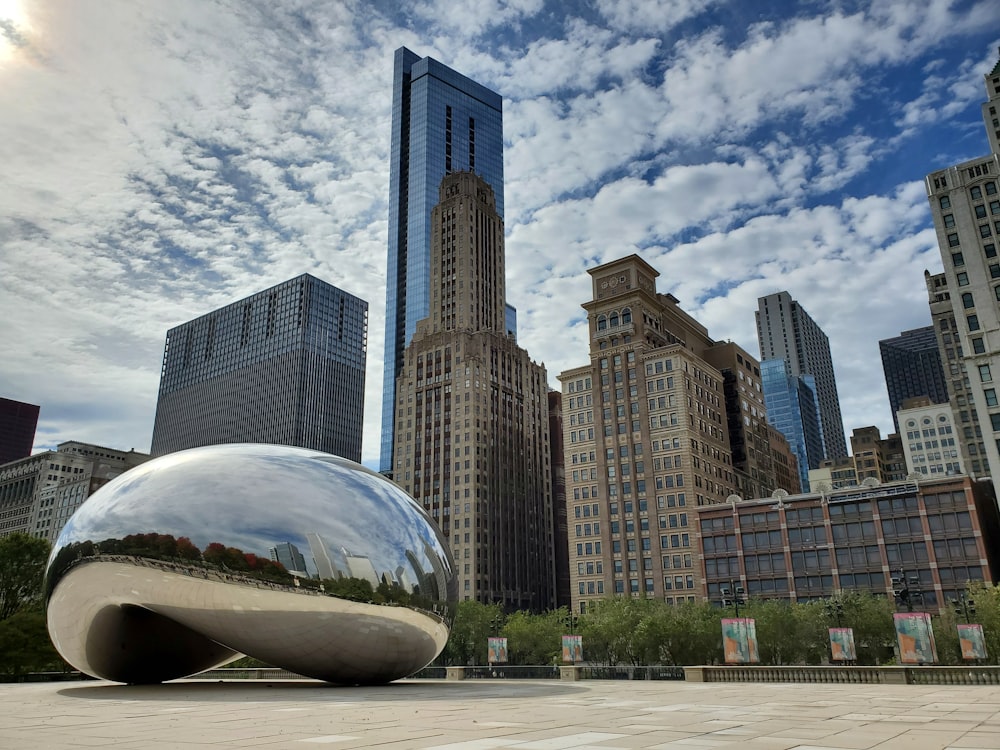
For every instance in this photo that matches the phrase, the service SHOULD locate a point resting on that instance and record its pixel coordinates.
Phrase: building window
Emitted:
(976, 193)
(973, 321)
(990, 250)
(967, 301)
(978, 346)
(991, 188)
(945, 202)
(991, 396)
(957, 259)
(949, 219)
(980, 214)
(953, 239)
(963, 278)
(984, 374)
(984, 230)
(995, 422)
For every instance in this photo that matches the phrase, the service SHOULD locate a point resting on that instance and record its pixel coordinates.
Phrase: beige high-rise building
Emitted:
(646, 440)
(471, 437)
(968, 433)
(965, 205)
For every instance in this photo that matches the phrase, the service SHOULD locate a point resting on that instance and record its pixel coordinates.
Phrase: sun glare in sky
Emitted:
(13, 28)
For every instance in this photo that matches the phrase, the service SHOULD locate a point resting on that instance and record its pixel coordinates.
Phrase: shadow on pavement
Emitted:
(303, 690)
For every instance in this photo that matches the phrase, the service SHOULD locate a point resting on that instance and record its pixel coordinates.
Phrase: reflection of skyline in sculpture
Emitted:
(360, 566)
(325, 567)
(288, 555)
(130, 576)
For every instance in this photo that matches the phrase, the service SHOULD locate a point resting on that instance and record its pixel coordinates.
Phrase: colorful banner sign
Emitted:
(572, 648)
(970, 637)
(915, 637)
(497, 653)
(842, 645)
(739, 641)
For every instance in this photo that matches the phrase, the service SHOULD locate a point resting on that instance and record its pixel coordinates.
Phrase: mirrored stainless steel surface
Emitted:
(304, 560)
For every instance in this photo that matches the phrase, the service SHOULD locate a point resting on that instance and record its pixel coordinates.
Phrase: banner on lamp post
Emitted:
(970, 637)
(497, 653)
(739, 640)
(915, 637)
(842, 645)
(572, 648)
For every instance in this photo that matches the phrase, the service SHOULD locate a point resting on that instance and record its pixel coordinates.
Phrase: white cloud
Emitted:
(642, 15)
(162, 160)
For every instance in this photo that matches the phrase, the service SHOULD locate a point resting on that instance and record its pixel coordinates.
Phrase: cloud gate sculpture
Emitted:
(304, 560)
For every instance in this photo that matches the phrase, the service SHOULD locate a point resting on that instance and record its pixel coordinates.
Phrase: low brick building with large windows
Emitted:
(941, 532)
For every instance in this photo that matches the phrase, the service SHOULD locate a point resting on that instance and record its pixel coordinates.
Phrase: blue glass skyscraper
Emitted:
(792, 408)
(442, 122)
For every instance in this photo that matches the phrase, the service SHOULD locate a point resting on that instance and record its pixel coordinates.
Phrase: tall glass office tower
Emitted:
(793, 409)
(442, 122)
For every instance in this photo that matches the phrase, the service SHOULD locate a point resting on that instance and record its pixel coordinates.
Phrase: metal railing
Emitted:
(883, 675)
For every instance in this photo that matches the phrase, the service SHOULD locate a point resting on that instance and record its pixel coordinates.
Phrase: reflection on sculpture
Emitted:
(304, 560)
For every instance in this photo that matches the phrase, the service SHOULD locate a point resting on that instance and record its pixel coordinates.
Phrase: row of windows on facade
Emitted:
(943, 522)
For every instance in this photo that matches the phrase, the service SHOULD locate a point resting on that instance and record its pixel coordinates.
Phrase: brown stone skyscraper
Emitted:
(471, 437)
(647, 440)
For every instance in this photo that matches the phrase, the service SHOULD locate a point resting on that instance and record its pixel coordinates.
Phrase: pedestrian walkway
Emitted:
(496, 714)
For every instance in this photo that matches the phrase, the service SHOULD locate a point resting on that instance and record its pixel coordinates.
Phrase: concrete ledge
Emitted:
(455, 673)
(569, 673)
(694, 674)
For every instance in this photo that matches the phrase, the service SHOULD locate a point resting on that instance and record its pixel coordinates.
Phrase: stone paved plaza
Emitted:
(481, 715)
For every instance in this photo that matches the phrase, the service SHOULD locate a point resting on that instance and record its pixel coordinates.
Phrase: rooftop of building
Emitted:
(869, 488)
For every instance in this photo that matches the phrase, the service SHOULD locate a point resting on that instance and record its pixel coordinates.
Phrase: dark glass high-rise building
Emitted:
(18, 422)
(283, 366)
(786, 331)
(442, 122)
(912, 365)
(793, 409)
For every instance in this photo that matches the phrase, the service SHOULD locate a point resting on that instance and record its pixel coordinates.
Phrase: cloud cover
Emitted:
(162, 160)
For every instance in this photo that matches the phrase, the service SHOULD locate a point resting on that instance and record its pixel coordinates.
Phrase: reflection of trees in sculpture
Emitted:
(175, 551)
(235, 564)
(245, 563)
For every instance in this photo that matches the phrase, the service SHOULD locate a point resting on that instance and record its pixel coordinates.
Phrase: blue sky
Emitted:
(164, 159)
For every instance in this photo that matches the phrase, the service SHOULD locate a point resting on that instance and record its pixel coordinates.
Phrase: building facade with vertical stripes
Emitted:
(283, 366)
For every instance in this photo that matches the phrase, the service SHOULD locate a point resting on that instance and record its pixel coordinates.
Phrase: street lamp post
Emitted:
(964, 607)
(733, 594)
(906, 589)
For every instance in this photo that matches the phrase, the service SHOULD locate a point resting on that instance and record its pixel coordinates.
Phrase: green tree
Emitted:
(609, 631)
(25, 644)
(693, 635)
(471, 628)
(987, 605)
(949, 650)
(22, 569)
(870, 617)
(535, 638)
